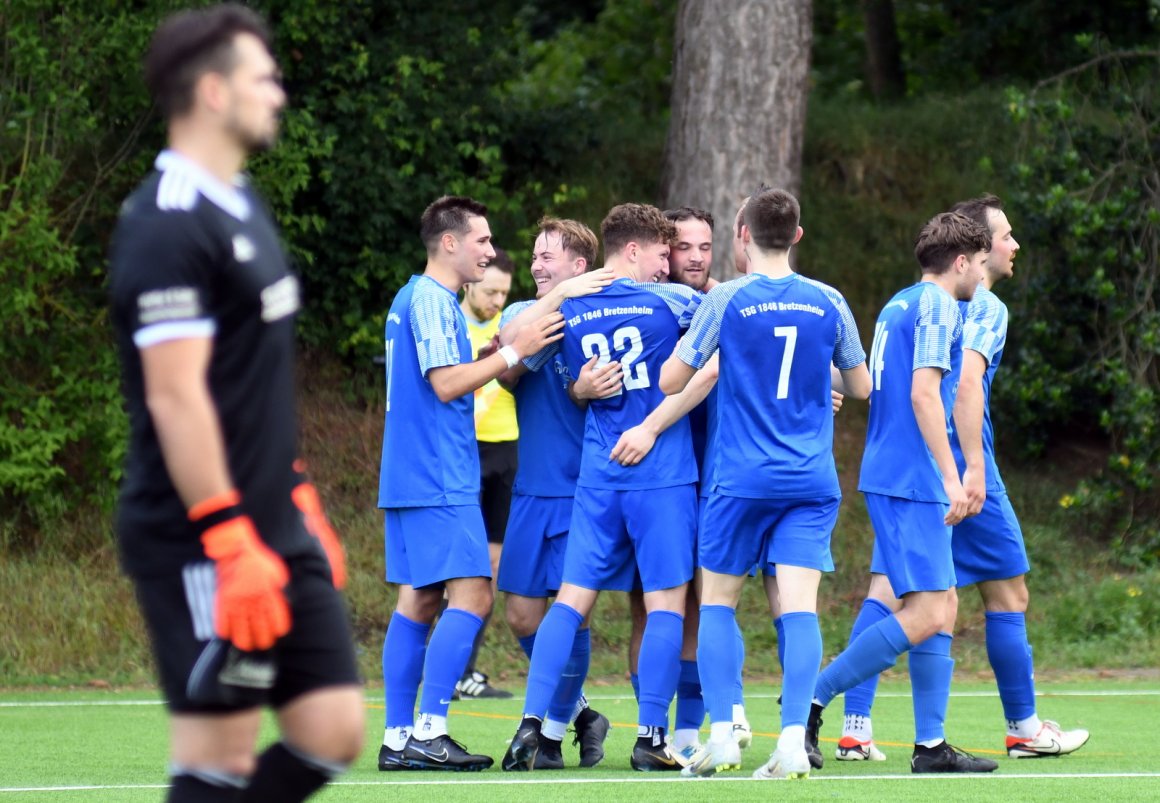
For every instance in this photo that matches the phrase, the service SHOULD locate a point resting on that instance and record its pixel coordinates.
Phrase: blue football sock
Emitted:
(860, 699)
(717, 659)
(931, 668)
(803, 659)
(876, 649)
(777, 625)
(447, 655)
(739, 682)
(634, 680)
(1010, 656)
(527, 643)
(403, 650)
(660, 666)
(554, 641)
(690, 703)
(571, 684)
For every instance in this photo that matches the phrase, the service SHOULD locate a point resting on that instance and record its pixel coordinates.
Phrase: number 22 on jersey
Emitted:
(627, 343)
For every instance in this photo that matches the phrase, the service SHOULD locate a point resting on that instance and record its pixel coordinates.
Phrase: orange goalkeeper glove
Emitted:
(305, 496)
(250, 607)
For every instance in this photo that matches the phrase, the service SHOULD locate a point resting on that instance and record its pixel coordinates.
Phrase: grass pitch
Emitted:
(89, 745)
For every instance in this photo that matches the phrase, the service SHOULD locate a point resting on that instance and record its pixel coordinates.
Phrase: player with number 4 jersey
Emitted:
(913, 491)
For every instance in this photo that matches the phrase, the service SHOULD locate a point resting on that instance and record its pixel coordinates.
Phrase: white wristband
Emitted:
(509, 354)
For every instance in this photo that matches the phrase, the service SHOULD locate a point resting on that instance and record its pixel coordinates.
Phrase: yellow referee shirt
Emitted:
(495, 408)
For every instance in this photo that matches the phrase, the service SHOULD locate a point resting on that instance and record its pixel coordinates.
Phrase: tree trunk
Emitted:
(740, 81)
(883, 53)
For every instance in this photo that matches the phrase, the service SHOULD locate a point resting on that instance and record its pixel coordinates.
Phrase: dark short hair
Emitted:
(944, 237)
(683, 213)
(451, 213)
(502, 261)
(640, 223)
(772, 217)
(739, 218)
(189, 44)
(574, 237)
(976, 208)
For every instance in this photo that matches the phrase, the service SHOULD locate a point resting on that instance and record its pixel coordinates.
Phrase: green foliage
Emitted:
(589, 106)
(872, 175)
(405, 103)
(61, 425)
(1087, 187)
(1114, 609)
(961, 44)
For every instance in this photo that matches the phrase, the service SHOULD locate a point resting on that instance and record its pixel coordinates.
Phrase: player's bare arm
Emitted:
(452, 381)
(675, 374)
(968, 415)
(929, 413)
(188, 429)
(854, 382)
(635, 443)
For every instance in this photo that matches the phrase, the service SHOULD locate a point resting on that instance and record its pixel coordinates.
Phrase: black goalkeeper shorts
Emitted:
(317, 652)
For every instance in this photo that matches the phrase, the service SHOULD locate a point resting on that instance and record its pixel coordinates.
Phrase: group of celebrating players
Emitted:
(610, 495)
(668, 430)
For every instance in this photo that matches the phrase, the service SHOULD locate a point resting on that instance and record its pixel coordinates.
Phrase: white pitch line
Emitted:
(75, 703)
(459, 780)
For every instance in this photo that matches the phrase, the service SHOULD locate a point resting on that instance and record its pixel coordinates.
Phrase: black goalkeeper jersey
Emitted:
(192, 257)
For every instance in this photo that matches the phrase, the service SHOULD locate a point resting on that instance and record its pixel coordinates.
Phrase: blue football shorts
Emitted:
(736, 533)
(616, 533)
(702, 501)
(429, 545)
(989, 546)
(532, 561)
(912, 544)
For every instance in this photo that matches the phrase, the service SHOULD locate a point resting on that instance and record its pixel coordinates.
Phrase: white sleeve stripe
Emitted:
(176, 191)
(173, 330)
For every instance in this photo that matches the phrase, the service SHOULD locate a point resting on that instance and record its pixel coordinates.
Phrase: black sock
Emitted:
(287, 776)
(204, 788)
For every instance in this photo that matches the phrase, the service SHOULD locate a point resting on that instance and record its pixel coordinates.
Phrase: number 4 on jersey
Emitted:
(877, 349)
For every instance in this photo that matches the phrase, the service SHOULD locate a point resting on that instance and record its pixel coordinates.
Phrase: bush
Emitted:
(1087, 191)
(70, 126)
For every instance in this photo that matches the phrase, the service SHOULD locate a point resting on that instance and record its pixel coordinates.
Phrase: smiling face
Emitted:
(552, 263)
(653, 262)
(473, 250)
(692, 256)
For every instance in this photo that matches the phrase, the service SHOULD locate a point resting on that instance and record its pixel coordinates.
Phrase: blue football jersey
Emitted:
(984, 331)
(429, 453)
(703, 423)
(551, 424)
(637, 324)
(774, 436)
(919, 328)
